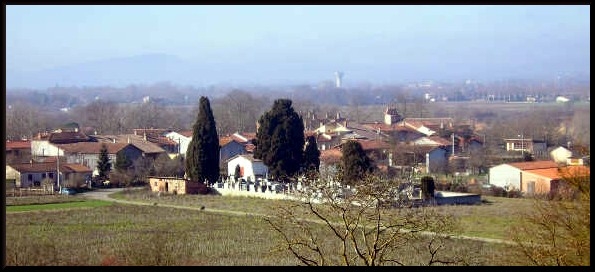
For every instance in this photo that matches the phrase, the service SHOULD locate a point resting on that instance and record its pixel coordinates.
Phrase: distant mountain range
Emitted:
(117, 72)
(155, 68)
(234, 70)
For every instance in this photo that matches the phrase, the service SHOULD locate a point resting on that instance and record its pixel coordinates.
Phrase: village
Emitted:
(405, 148)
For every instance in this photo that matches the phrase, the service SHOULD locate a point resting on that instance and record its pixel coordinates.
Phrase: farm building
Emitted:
(509, 175)
(174, 185)
(543, 181)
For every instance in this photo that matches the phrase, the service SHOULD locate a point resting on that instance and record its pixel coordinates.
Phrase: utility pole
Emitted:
(58, 170)
(522, 145)
(453, 145)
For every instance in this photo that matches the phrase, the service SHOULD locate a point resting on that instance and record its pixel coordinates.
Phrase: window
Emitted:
(43, 175)
(51, 175)
(30, 177)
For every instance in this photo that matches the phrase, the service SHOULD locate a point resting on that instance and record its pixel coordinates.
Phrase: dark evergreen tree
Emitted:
(122, 162)
(427, 187)
(202, 156)
(238, 173)
(103, 164)
(356, 164)
(280, 140)
(311, 155)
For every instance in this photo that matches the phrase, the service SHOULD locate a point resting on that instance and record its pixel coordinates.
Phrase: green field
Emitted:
(54, 206)
(156, 234)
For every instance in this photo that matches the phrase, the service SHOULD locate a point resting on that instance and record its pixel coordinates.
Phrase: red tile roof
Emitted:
(34, 167)
(373, 144)
(534, 165)
(74, 168)
(136, 140)
(91, 147)
(332, 155)
(223, 140)
(558, 173)
(67, 137)
(439, 140)
(11, 145)
(187, 133)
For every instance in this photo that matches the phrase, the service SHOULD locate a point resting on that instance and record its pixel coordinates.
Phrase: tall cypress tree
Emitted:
(356, 164)
(103, 164)
(311, 155)
(280, 140)
(202, 156)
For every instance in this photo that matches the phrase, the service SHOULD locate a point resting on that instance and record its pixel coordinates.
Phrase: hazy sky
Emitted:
(367, 42)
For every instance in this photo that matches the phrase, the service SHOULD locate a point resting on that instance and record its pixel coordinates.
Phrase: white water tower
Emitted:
(338, 79)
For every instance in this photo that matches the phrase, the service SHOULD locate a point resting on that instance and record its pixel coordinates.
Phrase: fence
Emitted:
(19, 192)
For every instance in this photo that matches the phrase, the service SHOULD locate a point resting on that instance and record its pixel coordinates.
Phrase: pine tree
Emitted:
(280, 140)
(122, 162)
(202, 156)
(311, 155)
(103, 164)
(356, 164)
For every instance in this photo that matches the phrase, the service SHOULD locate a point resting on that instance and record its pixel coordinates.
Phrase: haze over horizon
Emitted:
(202, 45)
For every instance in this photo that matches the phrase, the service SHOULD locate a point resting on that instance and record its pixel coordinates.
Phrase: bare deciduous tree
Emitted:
(557, 232)
(369, 226)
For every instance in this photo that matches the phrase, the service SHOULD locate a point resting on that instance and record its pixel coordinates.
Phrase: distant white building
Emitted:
(183, 138)
(560, 154)
(562, 99)
(251, 169)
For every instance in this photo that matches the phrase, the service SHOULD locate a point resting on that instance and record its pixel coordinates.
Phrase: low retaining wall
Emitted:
(227, 189)
(452, 198)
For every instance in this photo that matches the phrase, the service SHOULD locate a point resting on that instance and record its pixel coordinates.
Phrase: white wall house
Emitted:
(509, 175)
(250, 168)
(505, 176)
(560, 154)
(182, 138)
(43, 148)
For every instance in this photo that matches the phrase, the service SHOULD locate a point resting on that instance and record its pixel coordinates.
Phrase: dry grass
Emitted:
(156, 235)
(491, 219)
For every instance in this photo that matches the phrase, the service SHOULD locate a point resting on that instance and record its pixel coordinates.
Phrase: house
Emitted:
(31, 174)
(560, 154)
(44, 143)
(509, 175)
(175, 185)
(18, 151)
(397, 132)
(423, 158)
(183, 138)
(235, 144)
(333, 127)
(87, 153)
(157, 136)
(149, 149)
(543, 181)
(534, 147)
(75, 175)
(251, 169)
(429, 126)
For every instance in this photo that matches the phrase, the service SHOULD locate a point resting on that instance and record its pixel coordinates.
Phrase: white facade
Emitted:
(43, 148)
(436, 160)
(182, 141)
(505, 176)
(251, 168)
(560, 154)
